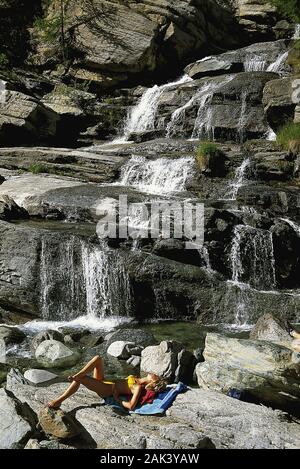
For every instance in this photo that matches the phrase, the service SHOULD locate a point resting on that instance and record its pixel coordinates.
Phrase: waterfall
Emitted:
(295, 227)
(142, 116)
(278, 64)
(59, 285)
(297, 32)
(270, 135)
(243, 116)
(2, 91)
(203, 124)
(81, 279)
(106, 281)
(255, 63)
(160, 176)
(252, 257)
(253, 267)
(239, 179)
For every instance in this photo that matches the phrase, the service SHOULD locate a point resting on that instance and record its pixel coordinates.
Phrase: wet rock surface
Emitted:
(267, 371)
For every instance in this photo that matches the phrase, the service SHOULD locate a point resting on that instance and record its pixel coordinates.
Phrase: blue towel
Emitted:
(158, 407)
(162, 402)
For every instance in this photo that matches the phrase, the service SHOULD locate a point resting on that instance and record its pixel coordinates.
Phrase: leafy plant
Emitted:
(4, 61)
(287, 134)
(37, 168)
(288, 8)
(53, 28)
(204, 152)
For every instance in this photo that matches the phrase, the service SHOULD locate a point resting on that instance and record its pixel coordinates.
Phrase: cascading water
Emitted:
(239, 179)
(253, 267)
(297, 32)
(82, 279)
(270, 135)
(160, 176)
(2, 91)
(142, 116)
(279, 63)
(255, 63)
(106, 282)
(203, 124)
(202, 99)
(294, 225)
(243, 117)
(252, 257)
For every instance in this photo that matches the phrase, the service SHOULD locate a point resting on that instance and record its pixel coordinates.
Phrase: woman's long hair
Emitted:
(158, 385)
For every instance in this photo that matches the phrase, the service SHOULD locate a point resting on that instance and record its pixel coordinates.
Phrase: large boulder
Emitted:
(168, 360)
(17, 421)
(137, 336)
(78, 110)
(58, 424)
(273, 329)
(11, 334)
(115, 41)
(267, 371)
(40, 377)
(25, 120)
(54, 354)
(279, 103)
(120, 349)
(256, 16)
(9, 210)
(273, 166)
(46, 335)
(231, 423)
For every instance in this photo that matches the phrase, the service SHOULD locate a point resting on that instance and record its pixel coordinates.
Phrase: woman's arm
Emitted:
(130, 405)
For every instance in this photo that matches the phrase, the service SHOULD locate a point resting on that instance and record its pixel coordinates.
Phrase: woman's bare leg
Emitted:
(56, 403)
(103, 390)
(95, 365)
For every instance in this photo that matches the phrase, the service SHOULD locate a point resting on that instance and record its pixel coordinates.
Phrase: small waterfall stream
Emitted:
(255, 63)
(294, 225)
(253, 268)
(297, 32)
(203, 124)
(78, 279)
(252, 257)
(239, 179)
(160, 176)
(277, 66)
(2, 91)
(142, 116)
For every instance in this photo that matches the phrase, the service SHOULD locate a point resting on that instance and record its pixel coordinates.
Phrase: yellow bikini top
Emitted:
(131, 380)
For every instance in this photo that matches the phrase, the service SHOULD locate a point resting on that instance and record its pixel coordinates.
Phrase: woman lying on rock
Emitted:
(296, 342)
(140, 390)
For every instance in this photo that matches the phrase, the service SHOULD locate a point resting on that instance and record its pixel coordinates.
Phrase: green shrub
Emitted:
(288, 8)
(4, 61)
(37, 168)
(204, 152)
(290, 132)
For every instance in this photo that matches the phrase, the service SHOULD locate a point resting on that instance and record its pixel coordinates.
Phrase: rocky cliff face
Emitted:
(73, 95)
(115, 42)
